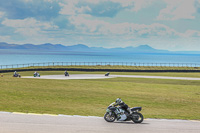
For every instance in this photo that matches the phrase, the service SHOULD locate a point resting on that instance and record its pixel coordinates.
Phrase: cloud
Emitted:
(63, 22)
(4, 38)
(2, 14)
(178, 9)
(140, 4)
(68, 7)
(98, 8)
(101, 8)
(28, 22)
(108, 23)
(191, 33)
(100, 27)
(21, 9)
(29, 26)
(197, 5)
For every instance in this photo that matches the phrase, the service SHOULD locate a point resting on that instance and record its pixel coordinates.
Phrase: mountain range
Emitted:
(84, 48)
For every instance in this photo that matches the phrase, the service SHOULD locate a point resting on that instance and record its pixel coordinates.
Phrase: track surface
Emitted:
(31, 123)
(101, 76)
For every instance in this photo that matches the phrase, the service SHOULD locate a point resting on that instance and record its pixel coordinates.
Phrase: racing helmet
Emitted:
(118, 100)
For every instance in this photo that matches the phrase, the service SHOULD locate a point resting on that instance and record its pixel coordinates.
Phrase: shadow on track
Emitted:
(125, 122)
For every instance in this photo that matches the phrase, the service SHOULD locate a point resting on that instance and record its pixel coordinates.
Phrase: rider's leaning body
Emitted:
(15, 72)
(122, 105)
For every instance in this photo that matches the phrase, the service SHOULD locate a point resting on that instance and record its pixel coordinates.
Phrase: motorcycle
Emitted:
(36, 75)
(113, 113)
(66, 74)
(107, 74)
(16, 75)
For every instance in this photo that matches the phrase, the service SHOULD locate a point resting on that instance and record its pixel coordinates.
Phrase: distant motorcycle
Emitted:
(36, 75)
(66, 74)
(16, 75)
(107, 74)
(113, 113)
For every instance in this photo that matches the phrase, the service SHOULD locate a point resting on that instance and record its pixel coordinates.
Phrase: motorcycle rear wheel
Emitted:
(109, 118)
(137, 118)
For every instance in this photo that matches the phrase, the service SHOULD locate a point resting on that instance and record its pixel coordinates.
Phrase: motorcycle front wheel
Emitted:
(109, 118)
(137, 118)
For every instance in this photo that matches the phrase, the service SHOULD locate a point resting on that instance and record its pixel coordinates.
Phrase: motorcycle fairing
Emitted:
(136, 109)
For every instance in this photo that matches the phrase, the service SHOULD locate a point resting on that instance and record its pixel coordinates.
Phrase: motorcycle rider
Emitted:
(35, 73)
(15, 73)
(124, 106)
(66, 73)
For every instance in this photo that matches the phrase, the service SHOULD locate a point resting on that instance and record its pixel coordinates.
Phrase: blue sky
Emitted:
(163, 24)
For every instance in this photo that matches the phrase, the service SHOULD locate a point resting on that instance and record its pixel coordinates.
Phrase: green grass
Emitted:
(173, 99)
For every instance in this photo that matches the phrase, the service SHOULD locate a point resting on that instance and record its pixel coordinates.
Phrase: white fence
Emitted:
(138, 64)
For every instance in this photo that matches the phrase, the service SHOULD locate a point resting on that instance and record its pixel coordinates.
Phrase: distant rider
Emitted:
(120, 103)
(35, 73)
(66, 73)
(15, 73)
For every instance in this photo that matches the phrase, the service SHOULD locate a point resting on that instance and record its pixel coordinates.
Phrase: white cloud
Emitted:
(99, 27)
(50, 1)
(178, 9)
(139, 4)
(135, 5)
(86, 25)
(28, 0)
(2, 14)
(28, 26)
(125, 3)
(191, 33)
(27, 23)
(4, 38)
(69, 7)
(41, 0)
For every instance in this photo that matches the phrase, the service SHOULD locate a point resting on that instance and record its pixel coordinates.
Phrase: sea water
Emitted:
(9, 57)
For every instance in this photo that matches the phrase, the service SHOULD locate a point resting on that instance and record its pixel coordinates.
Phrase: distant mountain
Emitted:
(78, 47)
(84, 48)
(139, 49)
(46, 46)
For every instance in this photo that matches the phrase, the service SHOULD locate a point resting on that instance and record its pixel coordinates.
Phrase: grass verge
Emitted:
(160, 98)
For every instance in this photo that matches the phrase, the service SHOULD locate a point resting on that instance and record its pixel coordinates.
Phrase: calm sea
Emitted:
(8, 57)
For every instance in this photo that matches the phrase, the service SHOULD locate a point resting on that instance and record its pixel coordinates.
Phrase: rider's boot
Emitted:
(129, 110)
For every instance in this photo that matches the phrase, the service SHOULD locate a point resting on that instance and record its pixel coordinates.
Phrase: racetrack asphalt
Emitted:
(101, 76)
(35, 123)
